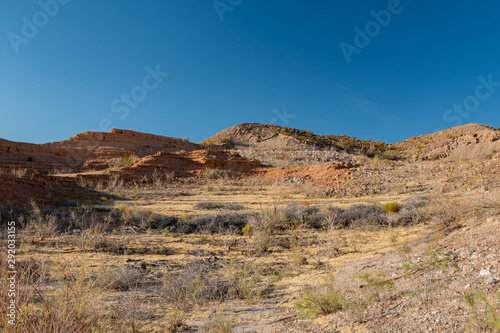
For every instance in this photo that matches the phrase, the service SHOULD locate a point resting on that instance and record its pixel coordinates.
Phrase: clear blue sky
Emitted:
(75, 71)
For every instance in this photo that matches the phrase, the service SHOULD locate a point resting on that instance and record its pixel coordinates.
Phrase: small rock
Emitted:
(484, 272)
(467, 286)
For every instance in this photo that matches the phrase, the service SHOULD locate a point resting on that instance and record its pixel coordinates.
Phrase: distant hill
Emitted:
(471, 141)
(272, 137)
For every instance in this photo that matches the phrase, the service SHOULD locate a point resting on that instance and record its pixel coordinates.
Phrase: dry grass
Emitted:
(162, 272)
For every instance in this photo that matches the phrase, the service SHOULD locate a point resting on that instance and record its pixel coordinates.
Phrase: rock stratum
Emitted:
(50, 173)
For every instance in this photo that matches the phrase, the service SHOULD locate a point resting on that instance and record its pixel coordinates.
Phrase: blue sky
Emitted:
(73, 66)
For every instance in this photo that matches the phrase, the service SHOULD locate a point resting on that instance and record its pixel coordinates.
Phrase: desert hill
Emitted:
(88, 150)
(51, 173)
(471, 141)
(272, 137)
(466, 142)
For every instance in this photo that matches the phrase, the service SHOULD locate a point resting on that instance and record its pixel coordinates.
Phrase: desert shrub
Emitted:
(336, 239)
(38, 224)
(412, 211)
(129, 316)
(245, 280)
(490, 206)
(128, 160)
(391, 207)
(176, 321)
(428, 274)
(210, 205)
(121, 278)
(247, 230)
(449, 212)
(358, 215)
(321, 300)
(195, 285)
(264, 227)
(213, 173)
(220, 223)
(375, 284)
(18, 172)
(357, 301)
(484, 315)
(160, 178)
(72, 306)
(141, 218)
(309, 215)
(297, 257)
(218, 323)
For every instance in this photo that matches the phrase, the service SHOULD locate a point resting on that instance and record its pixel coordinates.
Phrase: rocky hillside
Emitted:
(51, 173)
(466, 142)
(88, 150)
(471, 141)
(272, 137)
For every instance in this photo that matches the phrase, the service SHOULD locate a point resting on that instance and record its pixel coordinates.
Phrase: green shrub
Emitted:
(428, 273)
(128, 160)
(247, 229)
(484, 315)
(321, 300)
(376, 283)
(245, 281)
(391, 207)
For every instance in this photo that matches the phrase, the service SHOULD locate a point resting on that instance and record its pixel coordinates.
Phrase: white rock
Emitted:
(484, 272)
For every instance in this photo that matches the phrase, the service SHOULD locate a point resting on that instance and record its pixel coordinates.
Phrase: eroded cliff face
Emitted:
(86, 150)
(42, 191)
(96, 157)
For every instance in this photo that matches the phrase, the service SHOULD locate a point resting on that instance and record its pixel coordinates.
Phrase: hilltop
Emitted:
(272, 137)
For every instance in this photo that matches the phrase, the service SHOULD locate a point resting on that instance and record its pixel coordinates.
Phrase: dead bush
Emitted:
(38, 225)
(211, 205)
(217, 223)
(195, 285)
(360, 215)
(141, 219)
(264, 227)
(412, 211)
(121, 278)
(449, 212)
(71, 306)
(308, 215)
